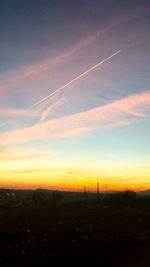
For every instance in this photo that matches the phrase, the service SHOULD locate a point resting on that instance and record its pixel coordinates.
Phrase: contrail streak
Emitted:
(75, 79)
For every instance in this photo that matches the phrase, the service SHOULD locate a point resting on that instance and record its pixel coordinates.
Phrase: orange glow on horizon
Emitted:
(36, 172)
(67, 183)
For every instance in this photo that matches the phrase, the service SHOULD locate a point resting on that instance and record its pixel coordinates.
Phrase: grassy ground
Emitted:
(91, 233)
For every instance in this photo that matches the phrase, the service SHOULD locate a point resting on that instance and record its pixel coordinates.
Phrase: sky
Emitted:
(75, 94)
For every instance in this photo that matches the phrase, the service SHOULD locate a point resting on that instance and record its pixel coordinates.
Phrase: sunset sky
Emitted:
(95, 128)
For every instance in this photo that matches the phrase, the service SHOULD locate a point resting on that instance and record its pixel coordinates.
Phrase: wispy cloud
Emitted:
(9, 153)
(76, 78)
(128, 110)
(25, 171)
(51, 108)
(17, 76)
(16, 113)
(45, 65)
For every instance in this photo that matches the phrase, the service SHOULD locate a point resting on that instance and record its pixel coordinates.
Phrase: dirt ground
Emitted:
(91, 233)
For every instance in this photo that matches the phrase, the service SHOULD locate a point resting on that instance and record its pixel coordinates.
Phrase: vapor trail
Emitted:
(75, 79)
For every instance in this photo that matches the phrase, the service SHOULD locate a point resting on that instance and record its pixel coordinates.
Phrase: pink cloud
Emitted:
(51, 108)
(16, 113)
(128, 110)
(45, 65)
(21, 153)
(10, 79)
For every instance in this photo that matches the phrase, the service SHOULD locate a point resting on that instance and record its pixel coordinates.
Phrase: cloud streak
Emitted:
(46, 65)
(17, 113)
(128, 110)
(76, 78)
(9, 153)
(52, 108)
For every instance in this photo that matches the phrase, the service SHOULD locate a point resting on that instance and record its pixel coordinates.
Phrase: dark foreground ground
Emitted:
(81, 233)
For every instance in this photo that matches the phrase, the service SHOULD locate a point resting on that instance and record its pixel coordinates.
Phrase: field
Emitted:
(46, 229)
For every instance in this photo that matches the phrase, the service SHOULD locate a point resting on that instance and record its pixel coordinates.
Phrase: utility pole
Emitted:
(85, 193)
(97, 189)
